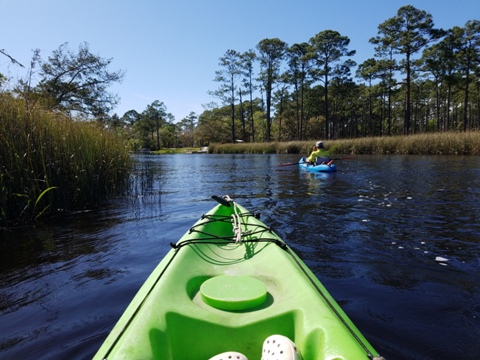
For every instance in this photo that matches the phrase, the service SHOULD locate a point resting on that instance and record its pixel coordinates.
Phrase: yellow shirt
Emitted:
(318, 153)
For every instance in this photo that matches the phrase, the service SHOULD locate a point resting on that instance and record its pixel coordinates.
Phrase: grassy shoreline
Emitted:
(50, 162)
(448, 143)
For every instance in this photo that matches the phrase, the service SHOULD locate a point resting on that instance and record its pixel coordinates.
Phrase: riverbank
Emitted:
(450, 143)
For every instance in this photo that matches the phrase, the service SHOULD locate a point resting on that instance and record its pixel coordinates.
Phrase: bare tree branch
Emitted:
(2, 51)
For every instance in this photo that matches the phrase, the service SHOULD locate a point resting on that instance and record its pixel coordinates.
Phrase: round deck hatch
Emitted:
(233, 292)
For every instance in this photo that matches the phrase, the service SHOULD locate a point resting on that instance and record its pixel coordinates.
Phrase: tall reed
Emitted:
(50, 162)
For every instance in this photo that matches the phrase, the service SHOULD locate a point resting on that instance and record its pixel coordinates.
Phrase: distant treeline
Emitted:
(420, 79)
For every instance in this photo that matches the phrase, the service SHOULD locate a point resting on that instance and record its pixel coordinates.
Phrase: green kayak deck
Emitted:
(228, 284)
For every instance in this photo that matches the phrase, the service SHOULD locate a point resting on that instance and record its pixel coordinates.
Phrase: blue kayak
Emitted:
(317, 168)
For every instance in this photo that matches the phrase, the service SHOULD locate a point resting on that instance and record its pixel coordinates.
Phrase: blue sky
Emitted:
(170, 49)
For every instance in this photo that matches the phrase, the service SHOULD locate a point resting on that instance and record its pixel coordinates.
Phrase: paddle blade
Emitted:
(345, 158)
(288, 164)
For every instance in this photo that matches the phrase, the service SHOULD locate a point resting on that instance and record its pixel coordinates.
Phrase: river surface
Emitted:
(395, 239)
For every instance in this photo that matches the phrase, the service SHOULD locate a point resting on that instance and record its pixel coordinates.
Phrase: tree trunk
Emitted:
(406, 125)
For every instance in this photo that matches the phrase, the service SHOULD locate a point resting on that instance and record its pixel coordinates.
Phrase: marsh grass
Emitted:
(450, 143)
(50, 163)
(292, 147)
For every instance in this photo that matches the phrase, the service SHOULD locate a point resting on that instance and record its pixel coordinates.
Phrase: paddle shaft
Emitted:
(344, 158)
(303, 162)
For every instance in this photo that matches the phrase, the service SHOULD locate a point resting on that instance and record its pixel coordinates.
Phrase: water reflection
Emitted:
(372, 232)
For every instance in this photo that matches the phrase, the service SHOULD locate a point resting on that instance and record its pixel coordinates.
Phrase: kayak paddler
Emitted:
(319, 152)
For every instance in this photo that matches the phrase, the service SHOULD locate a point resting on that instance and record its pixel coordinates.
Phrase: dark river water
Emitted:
(395, 239)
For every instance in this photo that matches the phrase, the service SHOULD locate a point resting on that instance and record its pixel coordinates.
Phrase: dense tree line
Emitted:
(419, 79)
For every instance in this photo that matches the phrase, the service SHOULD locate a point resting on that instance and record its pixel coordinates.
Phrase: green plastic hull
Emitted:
(170, 319)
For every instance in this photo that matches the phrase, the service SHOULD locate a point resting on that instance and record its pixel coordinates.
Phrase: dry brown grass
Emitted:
(450, 143)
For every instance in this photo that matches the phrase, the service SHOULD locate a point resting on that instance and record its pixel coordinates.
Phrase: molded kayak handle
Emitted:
(221, 200)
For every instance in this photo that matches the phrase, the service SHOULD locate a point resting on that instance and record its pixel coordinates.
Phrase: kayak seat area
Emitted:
(205, 339)
(320, 160)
